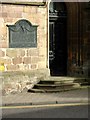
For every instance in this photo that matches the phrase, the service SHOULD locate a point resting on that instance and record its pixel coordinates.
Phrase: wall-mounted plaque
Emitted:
(22, 35)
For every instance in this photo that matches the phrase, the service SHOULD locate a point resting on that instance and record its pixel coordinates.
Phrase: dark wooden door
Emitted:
(58, 45)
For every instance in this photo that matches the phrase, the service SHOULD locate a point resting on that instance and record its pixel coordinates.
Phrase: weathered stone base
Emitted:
(13, 82)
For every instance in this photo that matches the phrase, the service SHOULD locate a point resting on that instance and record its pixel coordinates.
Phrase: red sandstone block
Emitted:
(20, 53)
(33, 10)
(18, 8)
(2, 53)
(33, 66)
(18, 15)
(24, 67)
(27, 60)
(11, 53)
(8, 19)
(14, 15)
(34, 59)
(17, 60)
(4, 14)
(42, 58)
(10, 15)
(0, 7)
(12, 67)
(5, 61)
(0, 14)
(4, 8)
(3, 44)
(32, 52)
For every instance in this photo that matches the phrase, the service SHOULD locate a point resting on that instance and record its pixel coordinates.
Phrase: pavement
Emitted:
(28, 98)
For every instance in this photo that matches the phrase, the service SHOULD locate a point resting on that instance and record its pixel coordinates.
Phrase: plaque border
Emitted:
(22, 44)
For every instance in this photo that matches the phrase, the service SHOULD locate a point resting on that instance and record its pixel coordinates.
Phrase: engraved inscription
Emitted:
(22, 35)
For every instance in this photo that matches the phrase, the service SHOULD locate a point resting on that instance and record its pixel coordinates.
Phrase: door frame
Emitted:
(72, 22)
(49, 40)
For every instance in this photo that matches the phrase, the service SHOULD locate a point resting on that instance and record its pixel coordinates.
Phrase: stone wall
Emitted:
(14, 82)
(18, 59)
(21, 68)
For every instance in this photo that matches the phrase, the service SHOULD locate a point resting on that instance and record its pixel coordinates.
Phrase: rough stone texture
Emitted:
(11, 53)
(34, 59)
(27, 60)
(13, 82)
(20, 53)
(41, 64)
(5, 60)
(2, 53)
(17, 60)
(3, 44)
(12, 67)
(32, 52)
(24, 66)
(33, 66)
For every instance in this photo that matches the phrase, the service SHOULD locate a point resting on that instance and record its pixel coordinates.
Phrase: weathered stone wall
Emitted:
(18, 59)
(14, 82)
(23, 67)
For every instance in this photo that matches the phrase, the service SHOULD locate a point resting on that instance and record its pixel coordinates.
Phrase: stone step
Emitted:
(55, 81)
(85, 83)
(51, 90)
(48, 87)
(60, 78)
(57, 84)
(82, 80)
(64, 78)
(54, 85)
(36, 90)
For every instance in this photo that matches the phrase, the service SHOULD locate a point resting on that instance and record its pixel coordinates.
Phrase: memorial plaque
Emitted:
(22, 35)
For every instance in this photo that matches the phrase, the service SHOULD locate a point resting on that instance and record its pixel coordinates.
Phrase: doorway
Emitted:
(57, 39)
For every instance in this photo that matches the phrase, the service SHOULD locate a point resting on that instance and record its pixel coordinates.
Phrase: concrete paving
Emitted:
(27, 98)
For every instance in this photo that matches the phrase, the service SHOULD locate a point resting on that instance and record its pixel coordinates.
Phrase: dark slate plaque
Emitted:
(22, 35)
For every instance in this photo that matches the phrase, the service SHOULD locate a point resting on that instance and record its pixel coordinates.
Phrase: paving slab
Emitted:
(27, 98)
